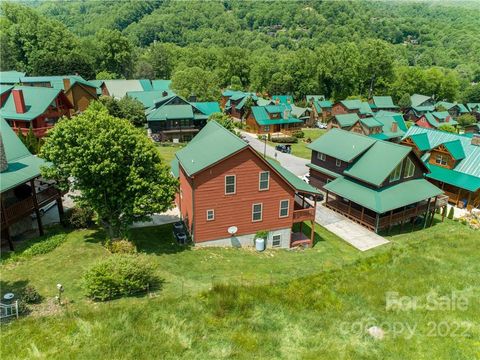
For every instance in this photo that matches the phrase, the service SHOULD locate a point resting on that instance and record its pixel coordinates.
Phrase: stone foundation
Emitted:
(248, 240)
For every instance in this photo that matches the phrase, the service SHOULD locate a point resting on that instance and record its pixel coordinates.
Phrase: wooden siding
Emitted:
(186, 199)
(338, 109)
(329, 163)
(417, 174)
(441, 150)
(236, 209)
(80, 97)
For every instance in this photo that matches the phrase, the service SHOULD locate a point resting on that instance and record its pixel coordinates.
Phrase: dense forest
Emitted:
(336, 48)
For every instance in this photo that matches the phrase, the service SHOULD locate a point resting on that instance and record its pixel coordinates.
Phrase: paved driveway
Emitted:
(293, 163)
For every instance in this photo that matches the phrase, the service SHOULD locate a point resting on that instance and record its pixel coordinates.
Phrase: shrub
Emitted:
(121, 247)
(299, 134)
(81, 217)
(119, 275)
(285, 140)
(30, 295)
(451, 213)
(44, 246)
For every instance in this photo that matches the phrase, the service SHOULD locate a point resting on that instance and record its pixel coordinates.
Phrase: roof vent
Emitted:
(394, 127)
(3, 156)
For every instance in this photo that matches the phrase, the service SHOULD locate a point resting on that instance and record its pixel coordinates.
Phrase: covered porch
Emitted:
(381, 209)
(303, 210)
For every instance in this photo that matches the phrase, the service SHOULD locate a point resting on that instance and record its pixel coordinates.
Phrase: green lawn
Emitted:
(167, 152)
(294, 304)
(300, 149)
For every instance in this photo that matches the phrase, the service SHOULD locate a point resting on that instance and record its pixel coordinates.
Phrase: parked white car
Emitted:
(321, 125)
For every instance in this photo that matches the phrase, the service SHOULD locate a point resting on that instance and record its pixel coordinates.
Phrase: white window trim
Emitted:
(260, 180)
(280, 209)
(396, 178)
(261, 212)
(280, 239)
(409, 166)
(213, 213)
(321, 156)
(234, 185)
(441, 159)
(338, 163)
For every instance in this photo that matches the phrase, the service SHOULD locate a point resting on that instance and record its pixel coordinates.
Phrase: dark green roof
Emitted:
(384, 102)
(455, 178)
(371, 122)
(385, 199)
(212, 144)
(171, 112)
(22, 166)
(378, 162)
(10, 77)
(37, 100)
(455, 149)
(421, 141)
(347, 120)
(341, 144)
(297, 183)
(57, 81)
(208, 107)
(260, 113)
(147, 98)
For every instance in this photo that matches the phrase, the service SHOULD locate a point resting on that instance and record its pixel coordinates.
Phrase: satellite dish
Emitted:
(232, 230)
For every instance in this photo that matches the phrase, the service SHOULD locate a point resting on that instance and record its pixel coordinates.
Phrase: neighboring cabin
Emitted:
(420, 105)
(361, 108)
(228, 193)
(22, 192)
(375, 183)
(77, 90)
(321, 111)
(433, 120)
(119, 88)
(271, 119)
(233, 102)
(382, 103)
(454, 109)
(37, 107)
(174, 118)
(453, 161)
(10, 77)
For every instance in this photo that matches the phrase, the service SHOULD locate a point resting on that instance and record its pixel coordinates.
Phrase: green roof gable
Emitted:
(212, 144)
(455, 149)
(371, 122)
(37, 100)
(208, 107)
(418, 100)
(346, 120)
(171, 112)
(384, 102)
(386, 199)
(10, 77)
(297, 183)
(421, 141)
(22, 166)
(260, 113)
(341, 144)
(473, 107)
(455, 178)
(148, 98)
(352, 104)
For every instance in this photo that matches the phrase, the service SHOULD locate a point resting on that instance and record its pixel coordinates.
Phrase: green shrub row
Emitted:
(285, 140)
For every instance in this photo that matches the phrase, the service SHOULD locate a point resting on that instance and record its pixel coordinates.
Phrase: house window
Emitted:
(210, 215)
(395, 175)
(284, 206)
(264, 178)
(321, 156)
(409, 169)
(257, 212)
(441, 159)
(338, 163)
(276, 240)
(266, 128)
(230, 184)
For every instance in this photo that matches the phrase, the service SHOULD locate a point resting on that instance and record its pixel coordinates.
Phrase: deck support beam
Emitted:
(426, 213)
(37, 210)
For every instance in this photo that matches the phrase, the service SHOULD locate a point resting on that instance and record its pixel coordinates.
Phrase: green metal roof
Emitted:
(384, 102)
(261, 116)
(437, 119)
(10, 77)
(174, 168)
(469, 165)
(37, 99)
(387, 121)
(473, 107)
(212, 144)
(297, 111)
(418, 100)
(207, 108)
(352, 104)
(386, 199)
(365, 108)
(323, 170)
(421, 141)
(57, 81)
(147, 98)
(4, 88)
(341, 144)
(455, 149)
(423, 109)
(378, 162)
(146, 84)
(22, 166)
(347, 120)
(297, 183)
(171, 112)
(371, 122)
(455, 178)
(119, 88)
(447, 105)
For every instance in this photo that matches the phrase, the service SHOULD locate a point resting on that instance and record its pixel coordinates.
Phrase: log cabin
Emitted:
(433, 120)
(321, 111)
(172, 118)
(38, 108)
(419, 105)
(361, 108)
(228, 193)
(373, 182)
(78, 91)
(233, 103)
(453, 161)
(118, 88)
(454, 109)
(22, 191)
(272, 119)
(382, 103)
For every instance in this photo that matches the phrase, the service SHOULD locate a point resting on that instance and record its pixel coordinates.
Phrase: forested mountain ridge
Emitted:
(337, 48)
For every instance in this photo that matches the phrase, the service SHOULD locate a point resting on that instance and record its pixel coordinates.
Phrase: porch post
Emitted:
(349, 207)
(433, 211)
(312, 233)
(363, 212)
(458, 196)
(37, 210)
(60, 206)
(7, 228)
(326, 198)
(390, 222)
(377, 220)
(403, 218)
(426, 213)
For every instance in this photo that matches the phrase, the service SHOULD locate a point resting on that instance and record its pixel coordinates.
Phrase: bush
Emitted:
(30, 295)
(285, 140)
(44, 246)
(119, 275)
(299, 134)
(450, 213)
(121, 247)
(80, 217)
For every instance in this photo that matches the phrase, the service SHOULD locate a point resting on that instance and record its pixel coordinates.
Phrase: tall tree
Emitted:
(117, 169)
(187, 81)
(113, 52)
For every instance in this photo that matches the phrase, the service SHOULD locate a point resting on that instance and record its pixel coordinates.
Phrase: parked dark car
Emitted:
(287, 149)
(318, 197)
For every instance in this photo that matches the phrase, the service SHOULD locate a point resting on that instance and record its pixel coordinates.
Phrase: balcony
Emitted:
(302, 210)
(38, 132)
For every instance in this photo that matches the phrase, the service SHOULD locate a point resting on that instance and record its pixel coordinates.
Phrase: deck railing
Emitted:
(38, 132)
(304, 214)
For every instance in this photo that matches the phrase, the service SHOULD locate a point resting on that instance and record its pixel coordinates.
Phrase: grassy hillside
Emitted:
(320, 311)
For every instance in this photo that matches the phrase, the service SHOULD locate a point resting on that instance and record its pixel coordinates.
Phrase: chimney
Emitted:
(394, 127)
(277, 101)
(164, 93)
(3, 156)
(447, 119)
(19, 101)
(476, 140)
(66, 83)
